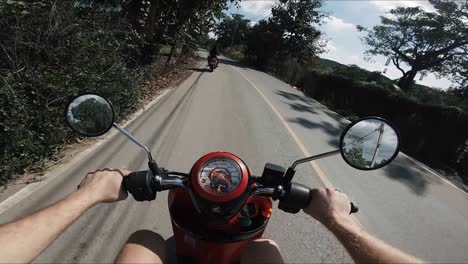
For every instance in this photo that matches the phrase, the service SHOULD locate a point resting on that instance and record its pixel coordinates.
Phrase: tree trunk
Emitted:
(406, 81)
(184, 52)
(171, 53)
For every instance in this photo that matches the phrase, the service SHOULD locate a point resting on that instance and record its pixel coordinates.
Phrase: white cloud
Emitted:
(252, 23)
(331, 46)
(344, 46)
(387, 5)
(256, 9)
(334, 23)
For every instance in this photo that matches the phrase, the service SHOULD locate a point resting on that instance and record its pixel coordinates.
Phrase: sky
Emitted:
(339, 29)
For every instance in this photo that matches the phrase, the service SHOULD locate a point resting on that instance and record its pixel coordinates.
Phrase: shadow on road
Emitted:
(331, 130)
(233, 63)
(295, 97)
(199, 69)
(414, 177)
(301, 108)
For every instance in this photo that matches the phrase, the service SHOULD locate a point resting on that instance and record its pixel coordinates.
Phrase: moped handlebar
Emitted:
(144, 186)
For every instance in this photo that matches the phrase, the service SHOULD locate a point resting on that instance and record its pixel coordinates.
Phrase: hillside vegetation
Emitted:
(51, 51)
(433, 123)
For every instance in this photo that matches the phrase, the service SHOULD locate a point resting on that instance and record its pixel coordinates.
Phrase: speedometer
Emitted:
(219, 176)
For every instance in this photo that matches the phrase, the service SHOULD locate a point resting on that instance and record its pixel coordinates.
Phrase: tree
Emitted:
(293, 20)
(354, 155)
(189, 21)
(424, 41)
(91, 116)
(288, 34)
(261, 44)
(232, 30)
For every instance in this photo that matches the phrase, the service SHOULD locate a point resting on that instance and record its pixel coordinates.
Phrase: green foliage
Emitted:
(232, 30)
(51, 51)
(186, 22)
(90, 116)
(418, 93)
(432, 133)
(234, 53)
(293, 21)
(49, 55)
(354, 156)
(261, 45)
(288, 34)
(425, 41)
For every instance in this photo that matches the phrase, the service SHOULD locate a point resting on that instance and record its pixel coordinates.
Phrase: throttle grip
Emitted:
(141, 185)
(354, 208)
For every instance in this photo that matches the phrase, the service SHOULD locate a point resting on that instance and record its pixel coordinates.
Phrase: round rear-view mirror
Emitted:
(369, 143)
(90, 115)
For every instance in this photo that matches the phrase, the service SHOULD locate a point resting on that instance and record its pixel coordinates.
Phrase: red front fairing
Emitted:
(209, 241)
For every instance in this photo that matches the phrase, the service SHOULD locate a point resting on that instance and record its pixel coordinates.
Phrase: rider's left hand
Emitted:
(105, 185)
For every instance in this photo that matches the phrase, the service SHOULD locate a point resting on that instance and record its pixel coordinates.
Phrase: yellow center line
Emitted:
(306, 153)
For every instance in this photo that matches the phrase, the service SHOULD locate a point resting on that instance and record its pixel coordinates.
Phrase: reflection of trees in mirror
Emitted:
(91, 117)
(354, 155)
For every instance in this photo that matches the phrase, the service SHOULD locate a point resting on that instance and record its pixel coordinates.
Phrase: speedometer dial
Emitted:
(220, 176)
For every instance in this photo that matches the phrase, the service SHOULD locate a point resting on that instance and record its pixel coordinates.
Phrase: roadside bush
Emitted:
(435, 134)
(49, 53)
(234, 53)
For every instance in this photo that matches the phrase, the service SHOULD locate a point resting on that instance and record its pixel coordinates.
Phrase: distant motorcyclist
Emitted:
(214, 54)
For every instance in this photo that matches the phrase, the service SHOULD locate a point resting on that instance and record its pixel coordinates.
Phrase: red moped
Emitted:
(219, 206)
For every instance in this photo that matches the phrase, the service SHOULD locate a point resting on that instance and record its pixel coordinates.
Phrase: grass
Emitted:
(233, 53)
(166, 49)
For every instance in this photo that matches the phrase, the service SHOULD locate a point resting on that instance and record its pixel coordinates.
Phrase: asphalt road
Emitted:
(403, 203)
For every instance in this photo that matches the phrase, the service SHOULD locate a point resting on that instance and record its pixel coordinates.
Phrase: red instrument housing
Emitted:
(199, 190)
(205, 239)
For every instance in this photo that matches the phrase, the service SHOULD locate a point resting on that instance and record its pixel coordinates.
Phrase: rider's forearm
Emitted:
(364, 248)
(24, 239)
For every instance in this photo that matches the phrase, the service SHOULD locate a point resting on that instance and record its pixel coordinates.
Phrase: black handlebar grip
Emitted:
(141, 184)
(295, 197)
(354, 208)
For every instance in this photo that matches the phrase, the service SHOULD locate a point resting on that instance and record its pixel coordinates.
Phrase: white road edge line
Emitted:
(420, 164)
(431, 171)
(57, 171)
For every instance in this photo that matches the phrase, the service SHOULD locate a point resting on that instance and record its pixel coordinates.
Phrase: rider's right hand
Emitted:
(105, 185)
(330, 207)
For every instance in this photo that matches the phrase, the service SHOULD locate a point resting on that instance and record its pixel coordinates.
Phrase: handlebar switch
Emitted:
(273, 175)
(295, 197)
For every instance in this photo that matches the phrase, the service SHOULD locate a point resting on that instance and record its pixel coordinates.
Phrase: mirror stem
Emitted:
(291, 170)
(123, 131)
(311, 158)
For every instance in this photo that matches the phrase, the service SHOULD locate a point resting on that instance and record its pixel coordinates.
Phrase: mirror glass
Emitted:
(369, 144)
(90, 115)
